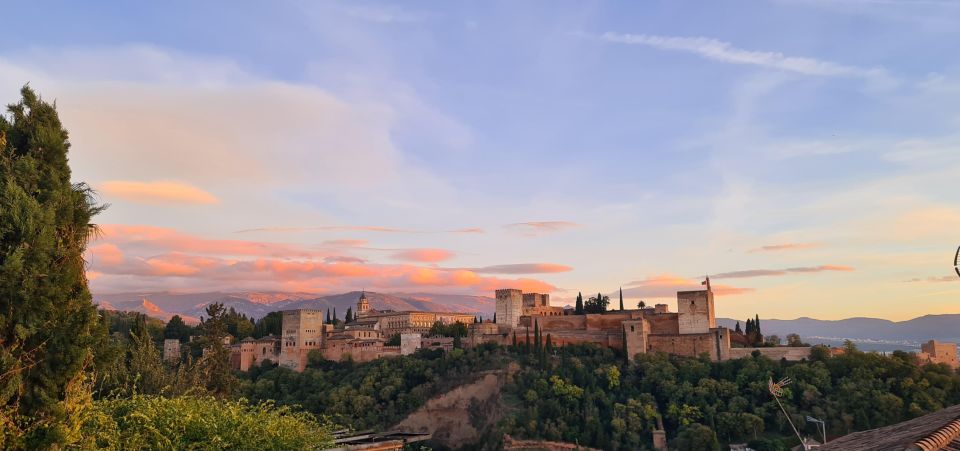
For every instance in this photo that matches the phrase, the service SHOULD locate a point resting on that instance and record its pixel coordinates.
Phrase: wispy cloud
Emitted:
(356, 228)
(725, 52)
(157, 192)
(382, 14)
(780, 272)
(784, 247)
(667, 285)
(540, 227)
(423, 255)
(523, 268)
(933, 279)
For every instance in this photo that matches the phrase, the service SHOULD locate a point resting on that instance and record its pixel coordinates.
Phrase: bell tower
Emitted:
(363, 305)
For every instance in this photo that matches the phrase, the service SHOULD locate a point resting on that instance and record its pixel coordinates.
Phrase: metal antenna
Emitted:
(776, 389)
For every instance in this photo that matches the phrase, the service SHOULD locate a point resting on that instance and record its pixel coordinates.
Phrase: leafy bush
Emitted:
(199, 423)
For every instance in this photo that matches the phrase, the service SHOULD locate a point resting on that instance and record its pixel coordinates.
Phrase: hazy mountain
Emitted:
(867, 332)
(257, 304)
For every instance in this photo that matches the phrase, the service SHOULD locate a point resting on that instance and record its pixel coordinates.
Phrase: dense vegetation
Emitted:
(370, 395)
(585, 394)
(73, 378)
(590, 395)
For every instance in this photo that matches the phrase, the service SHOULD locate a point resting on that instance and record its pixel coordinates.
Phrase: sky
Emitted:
(803, 153)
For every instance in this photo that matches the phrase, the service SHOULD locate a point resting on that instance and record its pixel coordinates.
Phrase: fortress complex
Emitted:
(362, 339)
(690, 331)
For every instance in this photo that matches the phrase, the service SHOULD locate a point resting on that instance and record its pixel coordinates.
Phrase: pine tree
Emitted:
(48, 323)
(579, 307)
(215, 364)
(621, 298)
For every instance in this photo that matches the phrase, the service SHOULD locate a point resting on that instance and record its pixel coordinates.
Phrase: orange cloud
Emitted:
(423, 255)
(137, 258)
(106, 254)
(158, 192)
(523, 268)
(784, 247)
(356, 228)
(169, 240)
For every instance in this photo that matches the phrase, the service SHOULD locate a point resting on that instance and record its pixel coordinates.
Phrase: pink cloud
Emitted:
(667, 286)
(423, 255)
(136, 258)
(785, 247)
(345, 243)
(780, 272)
(157, 192)
(541, 227)
(523, 268)
(357, 228)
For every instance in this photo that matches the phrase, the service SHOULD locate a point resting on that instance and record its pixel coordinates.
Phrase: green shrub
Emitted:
(199, 423)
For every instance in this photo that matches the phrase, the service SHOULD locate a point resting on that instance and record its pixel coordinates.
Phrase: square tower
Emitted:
(302, 332)
(695, 311)
(509, 307)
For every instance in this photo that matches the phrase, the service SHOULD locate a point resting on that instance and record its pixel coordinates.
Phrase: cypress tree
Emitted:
(514, 340)
(528, 341)
(621, 298)
(328, 316)
(737, 329)
(48, 322)
(349, 316)
(549, 345)
(756, 324)
(494, 317)
(334, 316)
(536, 337)
(579, 307)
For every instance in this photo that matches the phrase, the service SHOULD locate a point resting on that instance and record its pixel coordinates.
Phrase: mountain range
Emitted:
(190, 307)
(868, 333)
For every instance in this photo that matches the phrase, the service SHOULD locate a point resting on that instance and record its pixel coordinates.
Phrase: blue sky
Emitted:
(802, 151)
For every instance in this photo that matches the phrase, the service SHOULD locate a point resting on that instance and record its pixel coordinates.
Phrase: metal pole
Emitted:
(791, 422)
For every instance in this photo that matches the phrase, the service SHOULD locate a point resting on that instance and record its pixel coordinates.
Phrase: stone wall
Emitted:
(689, 345)
(791, 353)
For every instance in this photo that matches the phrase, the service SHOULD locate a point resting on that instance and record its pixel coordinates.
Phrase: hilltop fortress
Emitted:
(690, 331)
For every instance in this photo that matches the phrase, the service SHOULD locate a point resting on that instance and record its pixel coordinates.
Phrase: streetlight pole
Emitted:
(823, 427)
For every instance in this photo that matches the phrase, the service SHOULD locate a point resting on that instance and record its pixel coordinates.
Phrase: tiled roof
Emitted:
(933, 432)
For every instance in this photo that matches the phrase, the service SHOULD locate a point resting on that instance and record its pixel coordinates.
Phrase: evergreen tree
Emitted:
(349, 316)
(494, 317)
(549, 346)
(579, 307)
(621, 298)
(329, 321)
(528, 341)
(536, 337)
(737, 329)
(756, 325)
(335, 320)
(642, 304)
(48, 323)
(215, 363)
(176, 328)
(514, 340)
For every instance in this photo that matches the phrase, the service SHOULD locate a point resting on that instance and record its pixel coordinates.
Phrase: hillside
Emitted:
(869, 331)
(257, 304)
